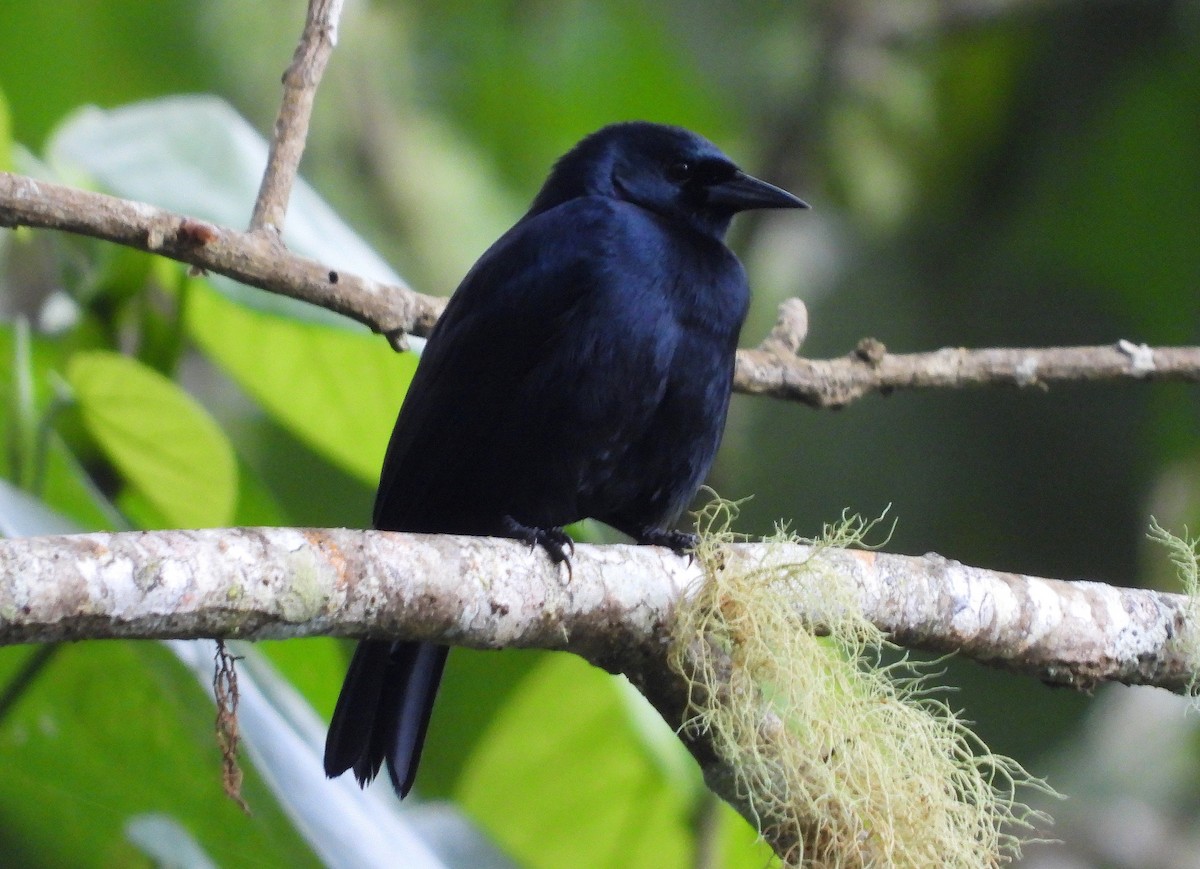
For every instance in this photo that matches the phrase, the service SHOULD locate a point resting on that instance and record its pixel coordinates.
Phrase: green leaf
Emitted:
(5, 136)
(336, 390)
(164, 444)
(55, 475)
(741, 846)
(256, 504)
(314, 666)
(107, 733)
(67, 487)
(55, 56)
(562, 756)
(477, 685)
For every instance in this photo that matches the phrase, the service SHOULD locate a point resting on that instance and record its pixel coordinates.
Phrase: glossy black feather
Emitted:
(582, 369)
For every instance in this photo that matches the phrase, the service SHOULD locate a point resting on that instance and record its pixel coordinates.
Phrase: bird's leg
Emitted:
(556, 542)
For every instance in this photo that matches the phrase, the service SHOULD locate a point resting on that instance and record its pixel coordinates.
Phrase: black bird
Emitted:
(582, 369)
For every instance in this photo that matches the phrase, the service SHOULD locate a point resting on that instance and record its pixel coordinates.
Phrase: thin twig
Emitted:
(767, 370)
(291, 126)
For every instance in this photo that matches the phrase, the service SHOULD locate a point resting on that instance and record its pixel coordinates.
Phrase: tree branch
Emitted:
(828, 383)
(253, 259)
(291, 125)
(772, 368)
(257, 583)
(613, 609)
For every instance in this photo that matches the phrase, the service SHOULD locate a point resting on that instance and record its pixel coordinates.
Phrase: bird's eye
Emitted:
(680, 171)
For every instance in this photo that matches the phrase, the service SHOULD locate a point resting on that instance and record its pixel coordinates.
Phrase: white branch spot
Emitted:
(1141, 356)
(1026, 371)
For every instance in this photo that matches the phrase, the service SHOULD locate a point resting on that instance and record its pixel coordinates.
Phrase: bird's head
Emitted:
(668, 170)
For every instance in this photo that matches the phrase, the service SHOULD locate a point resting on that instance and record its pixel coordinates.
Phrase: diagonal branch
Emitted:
(291, 125)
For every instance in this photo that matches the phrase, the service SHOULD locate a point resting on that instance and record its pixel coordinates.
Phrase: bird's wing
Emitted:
(553, 345)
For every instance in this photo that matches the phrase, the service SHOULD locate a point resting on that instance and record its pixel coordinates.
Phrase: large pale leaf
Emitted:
(22, 515)
(347, 827)
(196, 155)
(563, 756)
(167, 842)
(164, 444)
(109, 732)
(336, 390)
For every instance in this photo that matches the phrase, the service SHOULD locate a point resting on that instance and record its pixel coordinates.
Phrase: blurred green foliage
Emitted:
(109, 731)
(982, 175)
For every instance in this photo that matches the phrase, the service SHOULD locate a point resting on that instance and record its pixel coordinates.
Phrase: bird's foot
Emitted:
(557, 543)
(679, 542)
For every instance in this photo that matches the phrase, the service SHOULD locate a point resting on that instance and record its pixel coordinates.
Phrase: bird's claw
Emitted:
(679, 542)
(556, 543)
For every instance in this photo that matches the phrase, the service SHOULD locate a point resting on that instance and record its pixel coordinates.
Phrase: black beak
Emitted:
(744, 192)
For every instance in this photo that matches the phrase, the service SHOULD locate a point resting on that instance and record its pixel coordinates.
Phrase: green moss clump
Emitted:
(849, 757)
(1184, 553)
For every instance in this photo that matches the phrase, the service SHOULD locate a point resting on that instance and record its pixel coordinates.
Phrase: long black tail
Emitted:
(383, 711)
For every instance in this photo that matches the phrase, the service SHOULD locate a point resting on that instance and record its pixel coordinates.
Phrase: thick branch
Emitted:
(614, 607)
(274, 582)
(291, 126)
